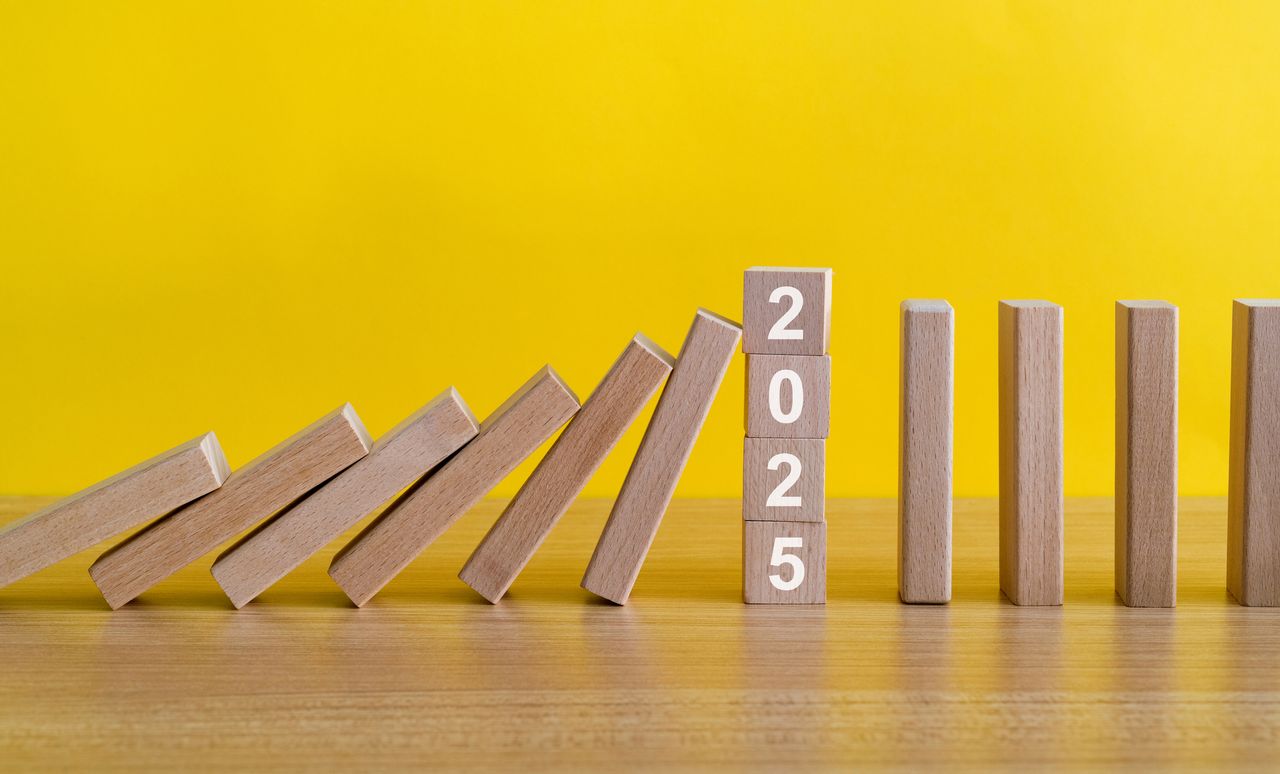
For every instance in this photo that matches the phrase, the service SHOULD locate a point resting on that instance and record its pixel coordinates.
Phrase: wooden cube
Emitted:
(786, 311)
(788, 396)
(784, 563)
(784, 479)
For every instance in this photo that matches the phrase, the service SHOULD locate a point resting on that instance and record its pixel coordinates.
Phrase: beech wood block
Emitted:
(1146, 514)
(784, 479)
(252, 493)
(784, 563)
(926, 389)
(1031, 493)
(106, 509)
(560, 476)
(788, 396)
(399, 458)
(704, 357)
(786, 311)
(510, 434)
(1253, 501)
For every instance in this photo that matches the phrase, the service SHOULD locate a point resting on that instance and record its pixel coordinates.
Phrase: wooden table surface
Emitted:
(685, 676)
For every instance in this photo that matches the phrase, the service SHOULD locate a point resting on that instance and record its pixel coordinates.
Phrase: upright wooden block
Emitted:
(1031, 494)
(1253, 502)
(509, 435)
(251, 494)
(560, 476)
(786, 311)
(117, 504)
(398, 459)
(784, 563)
(925, 388)
(788, 396)
(1146, 515)
(665, 449)
(784, 479)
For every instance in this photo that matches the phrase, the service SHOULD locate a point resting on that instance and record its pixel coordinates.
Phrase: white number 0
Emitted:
(780, 331)
(780, 558)
(779, 498)
(775, 396)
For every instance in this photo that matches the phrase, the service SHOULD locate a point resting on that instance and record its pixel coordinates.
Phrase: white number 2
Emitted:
(780, 331)
(781, 557)
(775, 396)
(779, 498)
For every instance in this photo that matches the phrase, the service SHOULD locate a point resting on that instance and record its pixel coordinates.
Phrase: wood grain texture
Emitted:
(1146, 453)
(1253, 516)
(560, 476)
(767, 464)
(400, 457)
(145, 491)
(668, 440)
(812, 419)
(811, 323)
(511, 433)
(926, 388)
(1031, 485)
(767, 582)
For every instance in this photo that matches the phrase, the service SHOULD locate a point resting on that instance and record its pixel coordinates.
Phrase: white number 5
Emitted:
(779, 498)
(780, 331)
(780, 557)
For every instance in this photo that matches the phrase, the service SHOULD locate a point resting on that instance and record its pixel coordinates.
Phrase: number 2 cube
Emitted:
(784, 563)
(786, 311)
(784, 479)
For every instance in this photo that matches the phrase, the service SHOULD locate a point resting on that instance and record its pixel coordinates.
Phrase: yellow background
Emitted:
(236, 216)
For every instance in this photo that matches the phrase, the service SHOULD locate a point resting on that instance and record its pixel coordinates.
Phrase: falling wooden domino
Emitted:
(398, 459)
(651, 481)
(924, 451)
(1146, 512)
(106, 509)
(784, 563)
(1031, 493)
(784, 479)
(786, 311)
(788, 396)
(514, 431)
(1253, 502)
(252, 493)
(564, 471)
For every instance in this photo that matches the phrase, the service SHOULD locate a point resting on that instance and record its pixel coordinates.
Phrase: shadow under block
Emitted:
(788, 396)
(560, 476)
(510, 434)
(147, 490)
(1146, 513)
(784, 479)
(784, 563)
(399, 458)
(786, 311)
(252, 493)
(1031, 493)
(926, 387)
(704, 357)
(1253, 501)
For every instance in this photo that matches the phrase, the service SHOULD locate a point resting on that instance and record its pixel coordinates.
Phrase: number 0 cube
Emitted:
(786, 311)
(788, 396)
(784, 563)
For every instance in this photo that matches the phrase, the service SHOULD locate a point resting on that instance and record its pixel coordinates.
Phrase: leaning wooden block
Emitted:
(786, 311)
(108, 508)
(1031, 494)
(646, 492)
(784, 563)
(1253, 502)
(398, 459)
(560, 476)
(788, 396)
(251, 494)
(1146, 517)
(510, 434)
(784, 479)
(925, 387)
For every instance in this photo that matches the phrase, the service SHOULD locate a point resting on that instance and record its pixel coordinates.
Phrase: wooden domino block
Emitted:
(509, 435)
(784, 479)
(1253, 502)
(398, 459)
(925, 387)
(784, 563)
(560, 476)
(651, 481)
(252, 493)
(1031, 494)
(108, 508)
(1146, 515)
(788, 396)
(786, 311)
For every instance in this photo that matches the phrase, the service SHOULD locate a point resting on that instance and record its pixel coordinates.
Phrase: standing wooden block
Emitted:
(925, 387)
(560, 476)
(788, 396)
(786, 311)
(784, 479)
(665, 449)
(118, 504)
(251, 494)
(1031, 493)
(399, 458)
(1146, 515)
(1253, 503)
(784, 563)
(510, 434)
